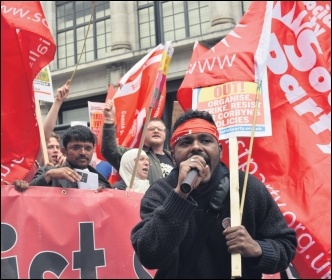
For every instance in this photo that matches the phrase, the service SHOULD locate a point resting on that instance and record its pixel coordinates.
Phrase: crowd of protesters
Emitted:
(182, 232)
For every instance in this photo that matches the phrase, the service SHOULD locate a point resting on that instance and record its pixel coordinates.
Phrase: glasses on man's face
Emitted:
(153, 128)
(76, 148)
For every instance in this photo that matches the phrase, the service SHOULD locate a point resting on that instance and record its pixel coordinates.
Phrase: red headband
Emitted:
(194, 126)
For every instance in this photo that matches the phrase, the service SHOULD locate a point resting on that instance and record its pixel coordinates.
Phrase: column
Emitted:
(221, 15)
(119, 25)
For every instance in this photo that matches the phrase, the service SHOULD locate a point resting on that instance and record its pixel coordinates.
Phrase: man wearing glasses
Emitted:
(78, 147)
(160, 159)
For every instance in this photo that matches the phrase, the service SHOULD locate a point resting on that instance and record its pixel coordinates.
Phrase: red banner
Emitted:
(70, 234)
(29, 47)
(229, 60)
(295, 162)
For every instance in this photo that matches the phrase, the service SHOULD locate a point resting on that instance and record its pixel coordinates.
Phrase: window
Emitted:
(72, 21)
(161, 21)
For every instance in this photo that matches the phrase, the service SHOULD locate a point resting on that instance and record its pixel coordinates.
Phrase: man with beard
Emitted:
(78, 147)
(160, 159)
(184, 231)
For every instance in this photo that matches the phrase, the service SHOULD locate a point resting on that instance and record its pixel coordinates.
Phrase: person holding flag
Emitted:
(53, 142)
(160, 159)
(185, 232)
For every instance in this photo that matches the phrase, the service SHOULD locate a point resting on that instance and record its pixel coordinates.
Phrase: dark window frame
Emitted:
(158, 22)
(75, 27)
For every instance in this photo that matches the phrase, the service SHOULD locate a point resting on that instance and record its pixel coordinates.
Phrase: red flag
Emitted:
(216, 65)
(29, 47)
(295, 162)
(132, 100)
(136, 95)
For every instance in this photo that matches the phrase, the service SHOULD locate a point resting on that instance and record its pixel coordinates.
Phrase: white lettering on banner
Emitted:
(37, 17)
(305, 240)
(41, 50)
(319, 12)
(123, 122)
(302, 57)
(205, 65)
(133, 129)
(7, 169)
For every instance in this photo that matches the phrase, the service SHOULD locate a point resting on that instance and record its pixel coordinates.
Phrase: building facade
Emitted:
(117, 34)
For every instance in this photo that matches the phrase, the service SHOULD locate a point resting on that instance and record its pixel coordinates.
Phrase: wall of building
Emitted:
(92, 79)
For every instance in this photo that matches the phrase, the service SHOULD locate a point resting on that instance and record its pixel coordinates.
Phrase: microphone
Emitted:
(189, 181)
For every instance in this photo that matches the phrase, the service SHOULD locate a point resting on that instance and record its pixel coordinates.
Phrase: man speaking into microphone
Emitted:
(183, 233)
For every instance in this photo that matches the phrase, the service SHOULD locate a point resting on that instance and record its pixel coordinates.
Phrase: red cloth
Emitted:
(133, 99)
(194, 126)
(29, 47)
(295, 162)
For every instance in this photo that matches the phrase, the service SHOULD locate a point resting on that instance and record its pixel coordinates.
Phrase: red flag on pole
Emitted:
(132, 100)
(29, 47)
(295, 162)
(218, 65)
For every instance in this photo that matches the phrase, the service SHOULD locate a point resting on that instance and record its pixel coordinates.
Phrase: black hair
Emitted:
(193, 114)
(96, 138)
(78, 133)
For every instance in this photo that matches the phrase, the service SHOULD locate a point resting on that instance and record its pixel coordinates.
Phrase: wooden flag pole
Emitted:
(234, 200)
(43, 146)
(249, 154)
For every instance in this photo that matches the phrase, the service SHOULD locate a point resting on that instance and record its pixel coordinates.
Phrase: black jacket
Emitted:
(169, 225)
(39, 180)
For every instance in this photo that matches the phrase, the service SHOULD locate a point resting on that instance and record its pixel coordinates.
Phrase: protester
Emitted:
(55, 155)
(49, 124)
(160, 159)
(170, 236)
(127, 165)
(52, 139)
(51, 117)
(78, 147)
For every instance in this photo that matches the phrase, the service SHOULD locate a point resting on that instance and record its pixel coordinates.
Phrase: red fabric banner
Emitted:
(132, 100)
(295, 162)
(70, 234)
(218, 65)
(27, 46)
